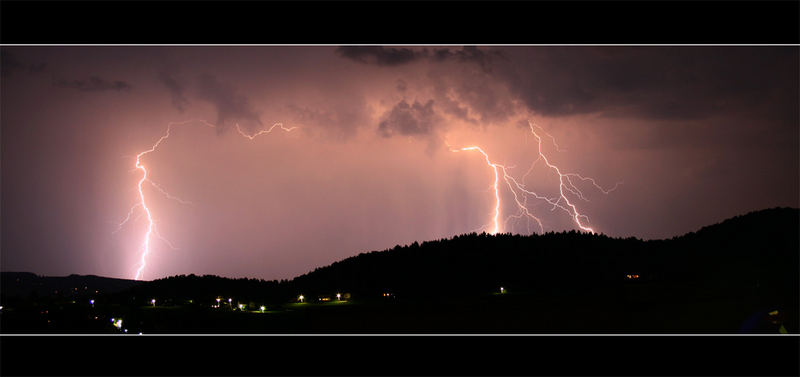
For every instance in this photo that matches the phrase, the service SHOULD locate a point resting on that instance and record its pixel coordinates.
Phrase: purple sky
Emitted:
(697, 135)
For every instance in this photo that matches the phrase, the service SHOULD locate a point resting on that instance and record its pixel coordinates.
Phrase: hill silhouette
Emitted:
(26, 284)
(709, 280)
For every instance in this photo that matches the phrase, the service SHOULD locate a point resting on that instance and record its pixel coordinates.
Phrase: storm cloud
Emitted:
(230, 104)
(404, 119)
(10, 64)
(93, 84)
(176, 90)
(382, 56)
(391, 56)
(660, 83)
(698, 134)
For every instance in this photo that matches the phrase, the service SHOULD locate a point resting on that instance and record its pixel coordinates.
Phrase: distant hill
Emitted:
(754, 254)
(759, 249)
(26, 284)
(740, 275)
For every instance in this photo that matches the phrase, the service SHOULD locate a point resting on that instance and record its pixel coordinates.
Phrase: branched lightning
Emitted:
(151, 224)
(521, 194)
(262, 132)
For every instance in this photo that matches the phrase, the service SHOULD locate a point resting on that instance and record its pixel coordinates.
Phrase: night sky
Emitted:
(695, 134)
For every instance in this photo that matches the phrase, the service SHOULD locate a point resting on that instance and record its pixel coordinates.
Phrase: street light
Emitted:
(301, 298)
(241, 306)
(339, 296)
(153, 301)
(91, 302)
(263, 308)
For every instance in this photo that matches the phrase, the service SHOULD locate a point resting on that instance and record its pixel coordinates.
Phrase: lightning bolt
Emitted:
(151, 223)
(521, 194)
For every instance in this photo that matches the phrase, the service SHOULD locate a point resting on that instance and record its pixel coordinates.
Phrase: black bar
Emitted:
(493, 355)
(390, 22)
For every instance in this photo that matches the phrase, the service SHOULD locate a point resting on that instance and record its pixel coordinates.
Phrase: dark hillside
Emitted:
(740, 275)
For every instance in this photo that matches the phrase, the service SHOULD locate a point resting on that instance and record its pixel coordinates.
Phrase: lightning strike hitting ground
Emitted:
(518, 189)
(151, 224)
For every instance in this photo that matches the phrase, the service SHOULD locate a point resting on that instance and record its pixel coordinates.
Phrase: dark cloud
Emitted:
(404, 119)
(93, 84)
(401, 85)
(390, 56)
(380, 55)
(469, 54)
(338, 121)
(10, 64)
(470, 95)
(662, 83)
(230, 104)
(176, 89)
